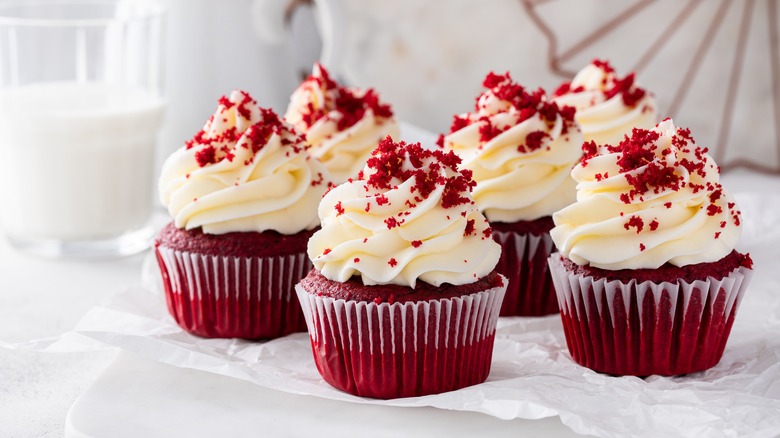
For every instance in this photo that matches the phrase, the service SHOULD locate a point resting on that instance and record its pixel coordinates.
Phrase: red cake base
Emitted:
(666, 327)
(525, 247)
(391, 349)
(235, 285)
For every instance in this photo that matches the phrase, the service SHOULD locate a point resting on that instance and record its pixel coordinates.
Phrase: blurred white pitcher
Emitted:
(214, 47)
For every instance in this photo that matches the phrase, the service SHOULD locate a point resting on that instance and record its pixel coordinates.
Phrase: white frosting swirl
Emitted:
(410, 219)
(319, 109)
(600, 100)
(245, 171)
(523, 173)
(652, 199)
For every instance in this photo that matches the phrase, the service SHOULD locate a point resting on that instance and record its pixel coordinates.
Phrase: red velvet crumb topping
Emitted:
(626, 86)
(351, 105)
(636, 222)
(387, 165)
(527, 103)
(213, 148)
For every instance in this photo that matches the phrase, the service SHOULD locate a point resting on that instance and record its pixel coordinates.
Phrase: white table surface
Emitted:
(151, 399)
(116, 394)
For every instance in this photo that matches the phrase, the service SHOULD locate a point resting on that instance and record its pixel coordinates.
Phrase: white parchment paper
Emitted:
(532, 375)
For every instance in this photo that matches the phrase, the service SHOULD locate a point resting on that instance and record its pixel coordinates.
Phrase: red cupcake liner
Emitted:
(524, 262)
(233, 297)
(402, 349)
(647, 328)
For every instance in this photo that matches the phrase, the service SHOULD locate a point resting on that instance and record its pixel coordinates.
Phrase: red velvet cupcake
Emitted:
(647, 278)
(244, 194)
(404, 299)
(520, 148)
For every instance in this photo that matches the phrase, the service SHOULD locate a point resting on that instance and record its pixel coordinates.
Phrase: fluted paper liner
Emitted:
(524, 262)
(402, 349)
(233, 297)
(647, 328)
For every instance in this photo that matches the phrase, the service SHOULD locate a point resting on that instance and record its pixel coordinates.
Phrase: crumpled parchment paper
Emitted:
(532, 374)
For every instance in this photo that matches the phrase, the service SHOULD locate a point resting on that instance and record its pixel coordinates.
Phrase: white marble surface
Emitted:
(39, 299)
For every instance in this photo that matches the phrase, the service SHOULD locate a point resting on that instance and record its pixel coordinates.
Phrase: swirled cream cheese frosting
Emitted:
(247, 170)
(520, 147)
(608, 107)
(408, 217)
(342, 125)
(651, 199)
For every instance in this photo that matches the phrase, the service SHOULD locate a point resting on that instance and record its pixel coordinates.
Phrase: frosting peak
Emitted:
(608, 107)
(342, 125)
(653, 198)
(246, 170)
(520, 147)
(409, 216)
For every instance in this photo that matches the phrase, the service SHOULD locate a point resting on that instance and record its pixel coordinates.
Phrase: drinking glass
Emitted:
(81, 105)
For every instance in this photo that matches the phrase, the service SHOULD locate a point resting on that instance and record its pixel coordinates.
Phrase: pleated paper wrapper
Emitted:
(408, 349)
(524, 262)
(233, 297)
(647, 328)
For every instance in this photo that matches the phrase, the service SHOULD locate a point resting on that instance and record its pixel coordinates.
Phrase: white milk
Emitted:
(76, 160)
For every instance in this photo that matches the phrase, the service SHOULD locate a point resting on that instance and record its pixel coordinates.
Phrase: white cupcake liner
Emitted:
(647, 328)
(389, 350)
(225, 296)
(524, 262)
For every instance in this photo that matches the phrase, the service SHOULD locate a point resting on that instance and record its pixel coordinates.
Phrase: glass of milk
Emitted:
(80, 110)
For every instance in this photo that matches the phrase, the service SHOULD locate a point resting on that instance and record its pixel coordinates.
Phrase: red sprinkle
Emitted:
(469, 230)
(392, 262)
(636, 222)
(459, 122)
(747, 261)
(533, 141)
(416, 243)
(589, 150)
(440, 141)
(714, 209)
(392, 222)
(206, 156)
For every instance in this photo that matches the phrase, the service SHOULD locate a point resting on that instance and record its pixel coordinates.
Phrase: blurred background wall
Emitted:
(712, 64)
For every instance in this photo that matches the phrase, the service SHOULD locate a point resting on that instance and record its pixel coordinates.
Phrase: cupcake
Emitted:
(521, 148)
(608, 107)
(647, 277)
(243, 194)
(404, 298)
(342, 125)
